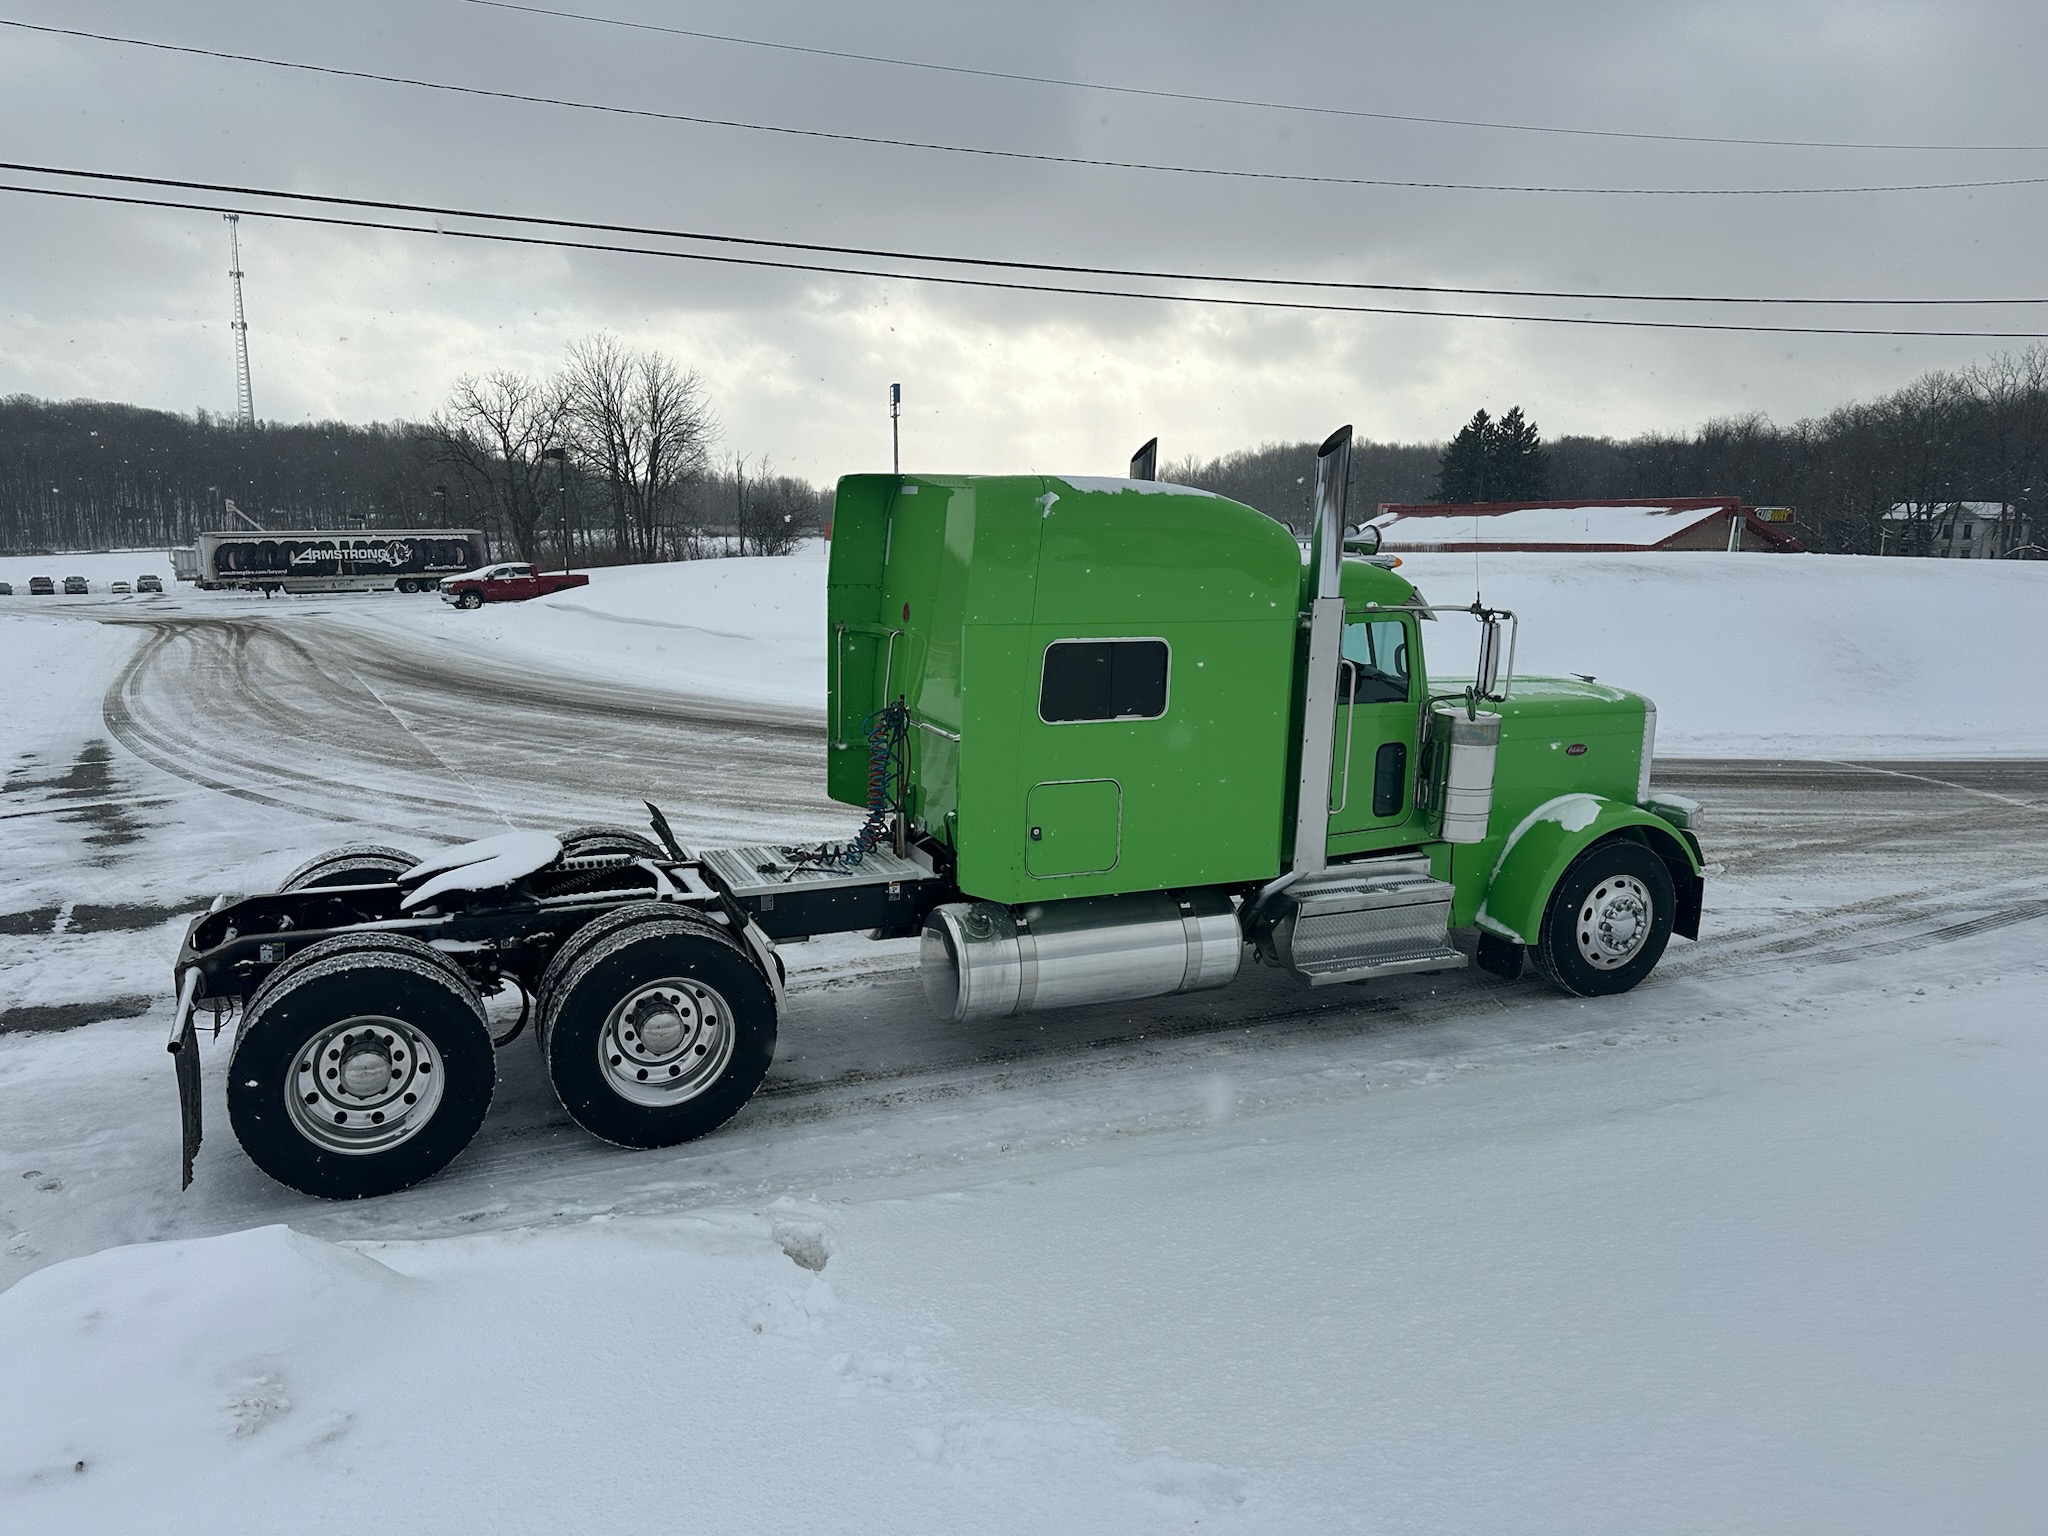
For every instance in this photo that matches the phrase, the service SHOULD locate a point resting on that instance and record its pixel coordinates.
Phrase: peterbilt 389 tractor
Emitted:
(1114, 739)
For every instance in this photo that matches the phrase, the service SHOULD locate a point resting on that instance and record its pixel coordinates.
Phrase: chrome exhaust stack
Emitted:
(1325, 642)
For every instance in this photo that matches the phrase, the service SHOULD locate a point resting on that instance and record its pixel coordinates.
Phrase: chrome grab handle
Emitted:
(834, 740)
(1350, 699)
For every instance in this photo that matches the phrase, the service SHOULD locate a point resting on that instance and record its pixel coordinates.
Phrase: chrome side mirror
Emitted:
(1489, 658)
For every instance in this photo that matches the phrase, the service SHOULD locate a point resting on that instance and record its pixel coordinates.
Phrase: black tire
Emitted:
(581, 842)
(356, 944)
(718, 1029)
(409, 1014)
(353, 864)
(1582, 957)
(469, 600)
(575, 947)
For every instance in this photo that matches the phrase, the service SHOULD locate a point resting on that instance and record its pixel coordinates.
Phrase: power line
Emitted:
(1242, 101)
(984, 152)
(1002, 263)
(1011, 285)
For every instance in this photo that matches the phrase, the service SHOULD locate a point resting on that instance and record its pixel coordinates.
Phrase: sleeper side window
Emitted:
(1103, 680)
(1377, 653)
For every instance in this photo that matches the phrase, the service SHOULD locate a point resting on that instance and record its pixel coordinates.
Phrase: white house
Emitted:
(1955, 530)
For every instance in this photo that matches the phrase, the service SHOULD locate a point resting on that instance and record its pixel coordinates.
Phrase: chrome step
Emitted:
(1350, 922)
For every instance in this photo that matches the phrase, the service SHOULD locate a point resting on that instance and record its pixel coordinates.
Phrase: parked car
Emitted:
(75, 586)
(6, 589)
(150, 583)
(41, 586)
(513, 583)
(120, 589)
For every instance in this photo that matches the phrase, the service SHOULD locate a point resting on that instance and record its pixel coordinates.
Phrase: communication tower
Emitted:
(245, 402)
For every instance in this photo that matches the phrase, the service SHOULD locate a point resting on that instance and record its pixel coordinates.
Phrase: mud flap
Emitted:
(186, 1049)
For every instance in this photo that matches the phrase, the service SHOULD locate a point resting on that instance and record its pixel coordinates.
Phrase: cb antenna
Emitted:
(245, 400)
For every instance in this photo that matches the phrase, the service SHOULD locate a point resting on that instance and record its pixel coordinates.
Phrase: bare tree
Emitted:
(642, 429)
(494, 433)
(2010, 392)
(771, 512)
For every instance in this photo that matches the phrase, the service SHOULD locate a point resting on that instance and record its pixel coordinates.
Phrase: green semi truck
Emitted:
(1113, 739)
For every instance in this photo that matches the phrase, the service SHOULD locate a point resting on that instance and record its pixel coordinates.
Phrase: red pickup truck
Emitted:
(504, 584)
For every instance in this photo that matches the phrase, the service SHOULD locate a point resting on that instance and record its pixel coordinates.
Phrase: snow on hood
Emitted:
(483, 865)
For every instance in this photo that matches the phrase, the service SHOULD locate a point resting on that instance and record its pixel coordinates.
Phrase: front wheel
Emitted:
(360, 1068)
(656, 1027)
(469, 600)
(1608, 921)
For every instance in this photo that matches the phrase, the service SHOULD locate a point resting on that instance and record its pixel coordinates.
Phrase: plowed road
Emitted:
(1826, 877)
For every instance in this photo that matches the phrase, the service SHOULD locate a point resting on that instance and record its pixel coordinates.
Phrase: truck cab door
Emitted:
(1372, 765)
(517, 584)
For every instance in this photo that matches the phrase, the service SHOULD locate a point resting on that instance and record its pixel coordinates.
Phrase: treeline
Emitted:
(1974, 434)
(615, 458)
(86, 474)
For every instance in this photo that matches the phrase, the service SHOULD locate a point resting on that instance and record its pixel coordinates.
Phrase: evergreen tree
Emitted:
(1520, 467)
(1494, 461)
(1463, 471)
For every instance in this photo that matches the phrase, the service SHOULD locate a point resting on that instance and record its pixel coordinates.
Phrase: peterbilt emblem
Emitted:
(1576, 749)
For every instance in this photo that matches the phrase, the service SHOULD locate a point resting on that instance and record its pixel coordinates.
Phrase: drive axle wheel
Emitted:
(1608, 920)
(656, 1026)
(360, 1068)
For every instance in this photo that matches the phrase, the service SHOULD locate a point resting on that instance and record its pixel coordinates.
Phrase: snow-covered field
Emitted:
(1757, 1247)
(1746, 655)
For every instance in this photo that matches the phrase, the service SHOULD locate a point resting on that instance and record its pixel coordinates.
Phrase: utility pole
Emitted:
(561, 457)
(895, 438)
(245, 400)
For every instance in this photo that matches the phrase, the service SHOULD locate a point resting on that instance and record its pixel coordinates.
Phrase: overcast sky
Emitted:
(131, 304)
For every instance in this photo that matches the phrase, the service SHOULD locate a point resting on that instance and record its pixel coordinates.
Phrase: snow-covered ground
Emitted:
(1746, 655)
(1774, 1263)
(1786, 655)
(1757, 1247)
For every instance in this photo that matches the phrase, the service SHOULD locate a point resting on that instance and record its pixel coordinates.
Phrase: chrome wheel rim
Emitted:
(367, 1084)
(666, 1042)
(1614, 922)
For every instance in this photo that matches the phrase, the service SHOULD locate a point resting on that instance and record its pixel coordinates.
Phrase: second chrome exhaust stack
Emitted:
(1325, 643)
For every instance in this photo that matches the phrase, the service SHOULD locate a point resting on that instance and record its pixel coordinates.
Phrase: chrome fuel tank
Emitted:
(980, 960)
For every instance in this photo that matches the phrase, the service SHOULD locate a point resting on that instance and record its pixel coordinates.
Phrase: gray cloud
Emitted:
(131, 304)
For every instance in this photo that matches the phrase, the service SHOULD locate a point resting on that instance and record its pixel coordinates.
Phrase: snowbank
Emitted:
(1745, 655)
(746, 628)
(1793, 655)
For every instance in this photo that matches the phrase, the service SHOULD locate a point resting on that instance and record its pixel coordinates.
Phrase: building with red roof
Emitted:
(1584, 527)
